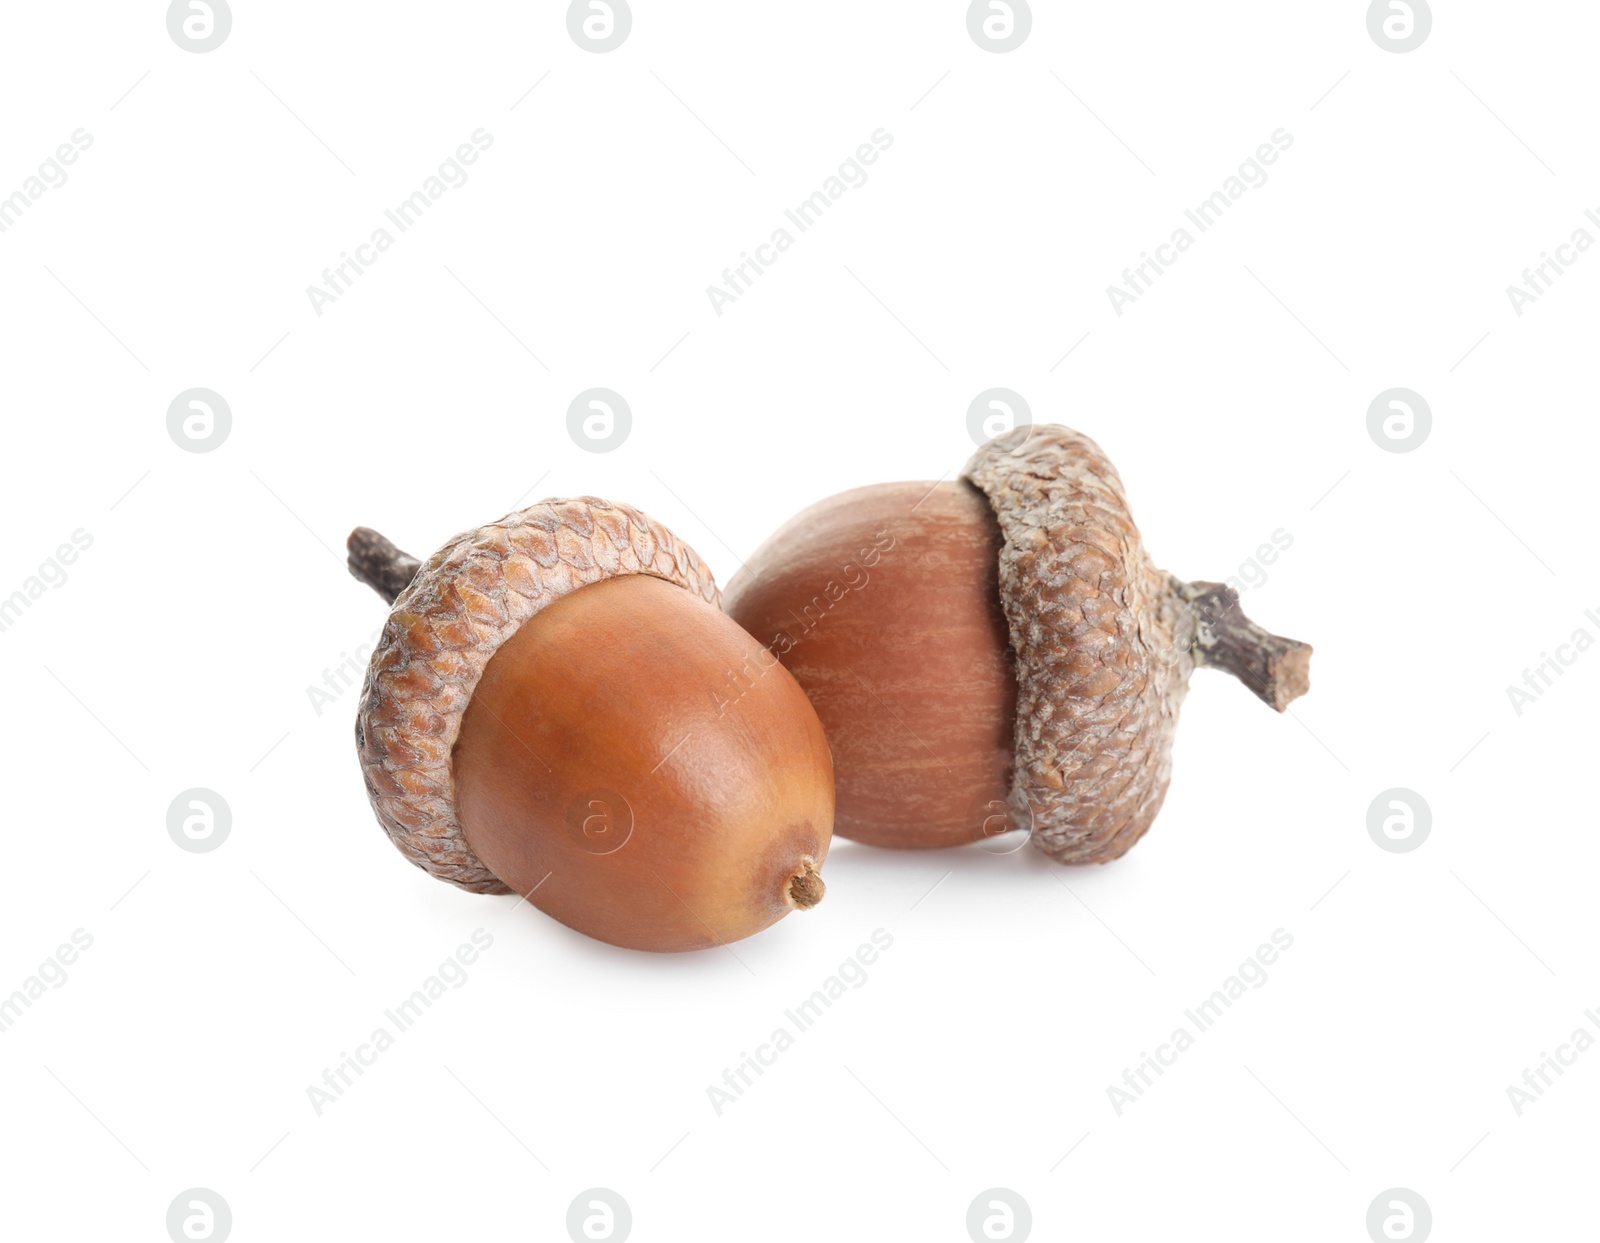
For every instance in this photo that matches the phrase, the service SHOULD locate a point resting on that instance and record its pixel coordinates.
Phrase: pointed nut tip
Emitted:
(806, 888)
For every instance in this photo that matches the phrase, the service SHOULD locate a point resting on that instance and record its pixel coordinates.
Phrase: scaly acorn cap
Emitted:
(448, 621)
(1104, 644)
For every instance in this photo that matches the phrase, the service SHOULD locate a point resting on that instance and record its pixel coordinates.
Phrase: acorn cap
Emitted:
(461, 605)
(1103, 644)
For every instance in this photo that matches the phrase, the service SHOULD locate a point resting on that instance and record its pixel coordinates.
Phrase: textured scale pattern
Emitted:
(1103, 646)
(466, 600)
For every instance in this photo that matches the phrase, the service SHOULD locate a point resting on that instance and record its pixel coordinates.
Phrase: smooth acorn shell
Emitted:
(884, 603)
(634, 764)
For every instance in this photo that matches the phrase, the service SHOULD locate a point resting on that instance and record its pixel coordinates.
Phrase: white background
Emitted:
(433, 397)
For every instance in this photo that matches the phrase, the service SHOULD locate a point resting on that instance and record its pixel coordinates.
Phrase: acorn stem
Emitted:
(379, 564)
(1278, 670)
(806, 889)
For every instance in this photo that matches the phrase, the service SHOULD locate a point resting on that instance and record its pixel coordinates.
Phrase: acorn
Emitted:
(998, 652)
(557, 707)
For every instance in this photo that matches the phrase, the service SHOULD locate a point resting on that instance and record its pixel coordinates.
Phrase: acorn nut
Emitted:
(998, 652)
(547, 713)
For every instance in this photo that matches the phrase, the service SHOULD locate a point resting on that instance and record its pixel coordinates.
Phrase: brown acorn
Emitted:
(998, 652)
(547, 713)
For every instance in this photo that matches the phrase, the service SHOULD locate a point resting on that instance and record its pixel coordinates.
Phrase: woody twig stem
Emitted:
(1278, 670)
(379, 564)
